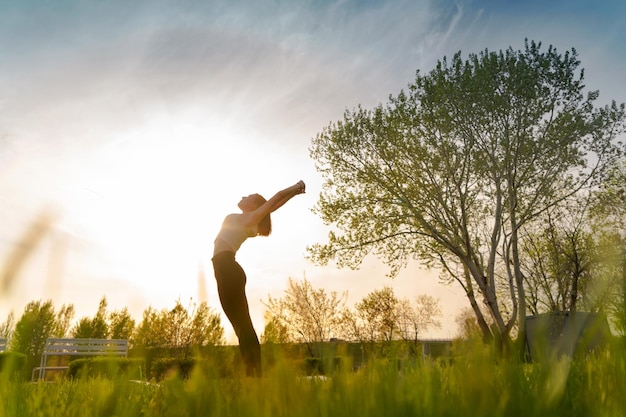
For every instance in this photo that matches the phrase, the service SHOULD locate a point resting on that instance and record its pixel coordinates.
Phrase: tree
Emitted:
(63, 320)
(558, 259)
(378, 314)
(310, 315)
(467, 325)
(608, 214)
(451, 171)
(8, 326)
(274, 331)
(96, 327)
(414, 320)
(179, 329)
(121, 324)
(205, 326)
(37, 323)
(381, 316)
(147, 334)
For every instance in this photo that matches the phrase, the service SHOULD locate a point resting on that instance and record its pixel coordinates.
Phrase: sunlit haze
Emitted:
(139, 125)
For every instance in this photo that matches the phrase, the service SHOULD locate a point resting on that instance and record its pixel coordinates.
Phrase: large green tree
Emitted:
(450, 171)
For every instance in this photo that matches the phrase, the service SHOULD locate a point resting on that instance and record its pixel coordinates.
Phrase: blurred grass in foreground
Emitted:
(474, 385)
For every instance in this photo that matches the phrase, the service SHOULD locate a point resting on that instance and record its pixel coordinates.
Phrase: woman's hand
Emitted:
(300, 187)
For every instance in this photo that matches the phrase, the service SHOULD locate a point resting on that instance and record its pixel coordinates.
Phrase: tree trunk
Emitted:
(482, 323)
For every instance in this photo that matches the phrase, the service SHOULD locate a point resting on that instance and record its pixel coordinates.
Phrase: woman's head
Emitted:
(251, 203)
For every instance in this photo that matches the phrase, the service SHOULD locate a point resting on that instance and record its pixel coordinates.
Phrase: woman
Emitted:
(231, 278)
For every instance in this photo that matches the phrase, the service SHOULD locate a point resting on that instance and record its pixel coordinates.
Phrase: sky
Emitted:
(129, 129)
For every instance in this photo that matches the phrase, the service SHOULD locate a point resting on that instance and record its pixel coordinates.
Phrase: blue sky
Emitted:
(141, 123)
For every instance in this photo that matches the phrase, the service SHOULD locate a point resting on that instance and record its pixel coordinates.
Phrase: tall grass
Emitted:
(474, 385)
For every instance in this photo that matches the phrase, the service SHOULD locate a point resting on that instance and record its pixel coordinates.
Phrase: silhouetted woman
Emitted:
(231, 278)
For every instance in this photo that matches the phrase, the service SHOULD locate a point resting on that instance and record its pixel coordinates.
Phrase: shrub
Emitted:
(322, 366)
(129, 368)
(163, 366)
(12, 363)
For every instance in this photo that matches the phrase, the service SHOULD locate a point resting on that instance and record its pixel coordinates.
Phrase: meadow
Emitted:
(473, 384)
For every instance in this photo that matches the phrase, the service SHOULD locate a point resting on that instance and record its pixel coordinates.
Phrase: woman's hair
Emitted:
(265, 225)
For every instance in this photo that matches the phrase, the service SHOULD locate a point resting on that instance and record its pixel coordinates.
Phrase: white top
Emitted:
(233, 234)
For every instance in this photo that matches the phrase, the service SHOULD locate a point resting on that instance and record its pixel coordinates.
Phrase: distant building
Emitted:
(560, 333)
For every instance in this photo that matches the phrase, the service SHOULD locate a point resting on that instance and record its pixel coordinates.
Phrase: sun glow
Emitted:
(151, 206)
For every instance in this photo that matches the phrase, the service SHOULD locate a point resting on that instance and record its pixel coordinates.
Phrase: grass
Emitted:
(475, 385)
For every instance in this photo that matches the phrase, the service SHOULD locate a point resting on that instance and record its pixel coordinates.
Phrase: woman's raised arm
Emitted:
(274, 203)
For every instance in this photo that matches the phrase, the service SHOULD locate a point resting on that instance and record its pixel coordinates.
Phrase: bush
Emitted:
(163, 366)
(12, 362)
(322, 366)
(128, 368)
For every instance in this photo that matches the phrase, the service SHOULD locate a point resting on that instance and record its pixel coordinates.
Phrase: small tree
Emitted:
(65, 315)
(467, 326)
(147, 333)
(310, 315)
(96, 327)
(8, 326)
(121, 324)
(414, 320)
(378, 314)
(205, 327)
(274, 331)
(179, 330)
(37, 323)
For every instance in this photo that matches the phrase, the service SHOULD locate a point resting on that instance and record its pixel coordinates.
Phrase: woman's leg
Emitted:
(231, 282)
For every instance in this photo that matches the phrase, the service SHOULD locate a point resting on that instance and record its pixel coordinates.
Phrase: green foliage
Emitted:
(121, 324)
(93, 328)
(321, 366)
(12, 363)
(609, 220)
(166, 366)
(474, 384)
(179, 330)
(37, 323)
(83, 329)
(274, 331)
(381, 316)
(105, 367)
(8, 326)
(64, 317)
(609, 208)
(559, 256)
(105, 325)
(378, 311)
(308, 314)
(214, 361)
(451, 170)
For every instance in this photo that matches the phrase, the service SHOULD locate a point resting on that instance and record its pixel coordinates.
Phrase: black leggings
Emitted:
(231, 286)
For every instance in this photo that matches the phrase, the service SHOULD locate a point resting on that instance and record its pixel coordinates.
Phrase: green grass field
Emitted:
(472, 385)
